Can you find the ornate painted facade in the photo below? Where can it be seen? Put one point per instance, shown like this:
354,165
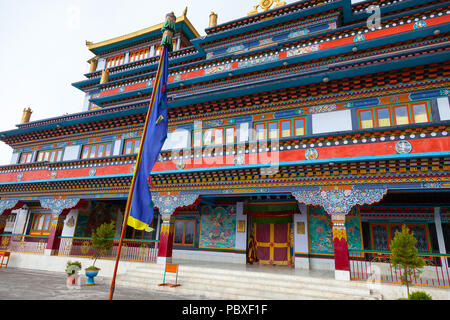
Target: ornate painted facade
310,124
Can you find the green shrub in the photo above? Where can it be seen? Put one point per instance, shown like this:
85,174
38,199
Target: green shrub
419,295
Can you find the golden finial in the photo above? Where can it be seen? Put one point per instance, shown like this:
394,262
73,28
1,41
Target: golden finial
265,5
212,19
26,115
185,12
88,43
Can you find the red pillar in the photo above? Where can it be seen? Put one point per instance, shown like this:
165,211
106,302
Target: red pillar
54,239
166,240
341,256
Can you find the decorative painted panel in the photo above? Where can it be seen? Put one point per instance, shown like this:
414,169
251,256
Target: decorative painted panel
92,215
218,227
320,231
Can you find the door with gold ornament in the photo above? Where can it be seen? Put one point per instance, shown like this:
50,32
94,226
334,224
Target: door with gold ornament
273,245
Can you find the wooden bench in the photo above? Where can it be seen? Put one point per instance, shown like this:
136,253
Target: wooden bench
3,255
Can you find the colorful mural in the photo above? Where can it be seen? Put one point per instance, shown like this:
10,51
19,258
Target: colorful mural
92,215
321,237
218,227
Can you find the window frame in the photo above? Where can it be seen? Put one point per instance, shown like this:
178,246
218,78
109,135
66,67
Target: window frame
115,61
290,128
185,221
264,130
394,107
377,119
226,135
49,152
371,110
96,145
28,157
133,145
277,130
34,227
427,111
294,128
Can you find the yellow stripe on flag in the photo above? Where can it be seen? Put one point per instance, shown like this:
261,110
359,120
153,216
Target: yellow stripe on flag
136,224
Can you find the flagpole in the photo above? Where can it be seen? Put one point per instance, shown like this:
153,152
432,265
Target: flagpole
136,168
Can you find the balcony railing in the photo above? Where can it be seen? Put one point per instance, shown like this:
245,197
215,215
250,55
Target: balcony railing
375,266
132,250
23,243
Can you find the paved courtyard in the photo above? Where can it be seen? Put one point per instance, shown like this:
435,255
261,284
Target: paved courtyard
26,284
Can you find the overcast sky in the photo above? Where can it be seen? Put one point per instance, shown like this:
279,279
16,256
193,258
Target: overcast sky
43,51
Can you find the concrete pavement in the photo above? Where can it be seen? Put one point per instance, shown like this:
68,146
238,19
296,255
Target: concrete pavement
27,284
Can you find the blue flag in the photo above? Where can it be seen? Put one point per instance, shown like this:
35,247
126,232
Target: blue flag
141,213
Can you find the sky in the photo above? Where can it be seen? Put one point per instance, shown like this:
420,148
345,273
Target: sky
43,51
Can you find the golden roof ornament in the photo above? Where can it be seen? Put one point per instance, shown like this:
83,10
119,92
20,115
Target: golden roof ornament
265,5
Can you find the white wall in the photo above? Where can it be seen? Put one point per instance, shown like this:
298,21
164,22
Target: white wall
117,147
69,231
301,240
21,220
15,157
334,121
444,108
71,153
241,237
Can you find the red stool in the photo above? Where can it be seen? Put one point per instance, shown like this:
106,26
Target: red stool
4,254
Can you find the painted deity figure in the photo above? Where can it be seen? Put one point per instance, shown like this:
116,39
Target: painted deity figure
251,256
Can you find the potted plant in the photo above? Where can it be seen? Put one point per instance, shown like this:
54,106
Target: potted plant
101,242
72,269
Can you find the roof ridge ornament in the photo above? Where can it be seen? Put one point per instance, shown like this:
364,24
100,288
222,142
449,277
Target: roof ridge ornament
265,5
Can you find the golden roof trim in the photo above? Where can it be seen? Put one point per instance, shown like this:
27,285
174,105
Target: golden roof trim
138,33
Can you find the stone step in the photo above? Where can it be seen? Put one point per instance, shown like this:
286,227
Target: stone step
237,283
251,279
272,290
233,292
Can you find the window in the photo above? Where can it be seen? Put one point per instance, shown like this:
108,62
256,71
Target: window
285,128
420,112
401,115
184,232
25,157
115,61
260,131
10,220
420,233
366,119
229,135
40,224
96,151
131,146
272,130
139,54
49,155
197,139
218,136
299,127
207,137
380,237
383,117
210,136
